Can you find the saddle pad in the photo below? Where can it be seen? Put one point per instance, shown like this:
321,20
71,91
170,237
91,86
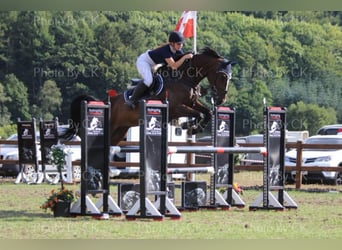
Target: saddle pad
154,90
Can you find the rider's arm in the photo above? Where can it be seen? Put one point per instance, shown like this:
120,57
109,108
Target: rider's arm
176,64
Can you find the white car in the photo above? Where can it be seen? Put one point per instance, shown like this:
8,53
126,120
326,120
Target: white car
10,152
318,157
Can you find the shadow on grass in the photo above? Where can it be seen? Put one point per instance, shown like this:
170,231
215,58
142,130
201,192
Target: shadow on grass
8,215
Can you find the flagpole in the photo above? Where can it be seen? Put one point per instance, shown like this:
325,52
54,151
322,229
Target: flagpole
187,25
195,33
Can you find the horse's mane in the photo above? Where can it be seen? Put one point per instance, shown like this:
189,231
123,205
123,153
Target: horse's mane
210,52
205,51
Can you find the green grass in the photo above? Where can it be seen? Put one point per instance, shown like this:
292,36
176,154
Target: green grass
319,216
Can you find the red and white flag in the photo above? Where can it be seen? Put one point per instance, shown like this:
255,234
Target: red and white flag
187,24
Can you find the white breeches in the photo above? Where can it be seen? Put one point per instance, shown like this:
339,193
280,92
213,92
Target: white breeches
144,65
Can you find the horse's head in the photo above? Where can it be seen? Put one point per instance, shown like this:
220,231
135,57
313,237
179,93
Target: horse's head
220,81
218,71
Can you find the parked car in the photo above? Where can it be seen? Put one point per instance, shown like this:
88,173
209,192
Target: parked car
6,151
258,159
318,157
333,129
253,158
10,152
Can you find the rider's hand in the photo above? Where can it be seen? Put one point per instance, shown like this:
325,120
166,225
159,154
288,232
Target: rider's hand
188,56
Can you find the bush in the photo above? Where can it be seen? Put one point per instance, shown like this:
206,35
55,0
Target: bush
7,130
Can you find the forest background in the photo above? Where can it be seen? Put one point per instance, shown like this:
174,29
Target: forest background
291,58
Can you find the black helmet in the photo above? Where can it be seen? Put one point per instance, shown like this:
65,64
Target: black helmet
176,37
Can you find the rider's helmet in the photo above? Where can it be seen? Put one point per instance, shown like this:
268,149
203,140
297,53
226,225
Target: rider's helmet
176,37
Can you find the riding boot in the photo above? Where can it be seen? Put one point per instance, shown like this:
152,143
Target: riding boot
137,93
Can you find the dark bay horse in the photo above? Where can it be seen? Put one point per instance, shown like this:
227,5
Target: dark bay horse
181,93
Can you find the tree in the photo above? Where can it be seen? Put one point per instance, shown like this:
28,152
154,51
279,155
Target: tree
6,19
296,54
50,100
4,114
311,117
249,106
31,46
7,130
18,104
75,56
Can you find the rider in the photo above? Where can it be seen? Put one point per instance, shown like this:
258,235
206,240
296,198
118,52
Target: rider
160,55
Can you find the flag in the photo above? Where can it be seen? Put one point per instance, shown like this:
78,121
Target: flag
187,24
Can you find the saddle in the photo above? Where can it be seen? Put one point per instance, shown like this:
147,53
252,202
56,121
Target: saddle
155,89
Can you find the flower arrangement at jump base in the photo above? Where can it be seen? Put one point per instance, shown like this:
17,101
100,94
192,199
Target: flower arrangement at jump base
63,197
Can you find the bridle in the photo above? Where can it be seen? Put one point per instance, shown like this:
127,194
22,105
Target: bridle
223,69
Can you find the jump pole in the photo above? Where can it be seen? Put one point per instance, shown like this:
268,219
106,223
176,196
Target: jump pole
195,149
215,150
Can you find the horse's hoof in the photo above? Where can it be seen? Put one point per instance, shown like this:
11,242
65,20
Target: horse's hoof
194,131
184,125
189,124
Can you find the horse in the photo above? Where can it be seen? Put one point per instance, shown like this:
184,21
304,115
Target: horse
181,93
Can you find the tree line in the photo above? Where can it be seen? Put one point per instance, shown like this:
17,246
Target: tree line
291,58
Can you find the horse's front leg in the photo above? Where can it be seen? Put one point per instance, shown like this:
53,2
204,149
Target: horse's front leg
204,118
200,114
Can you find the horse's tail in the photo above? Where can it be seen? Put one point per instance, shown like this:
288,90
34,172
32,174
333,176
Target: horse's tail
75,118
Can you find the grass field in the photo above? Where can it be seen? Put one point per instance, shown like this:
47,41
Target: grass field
319,216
